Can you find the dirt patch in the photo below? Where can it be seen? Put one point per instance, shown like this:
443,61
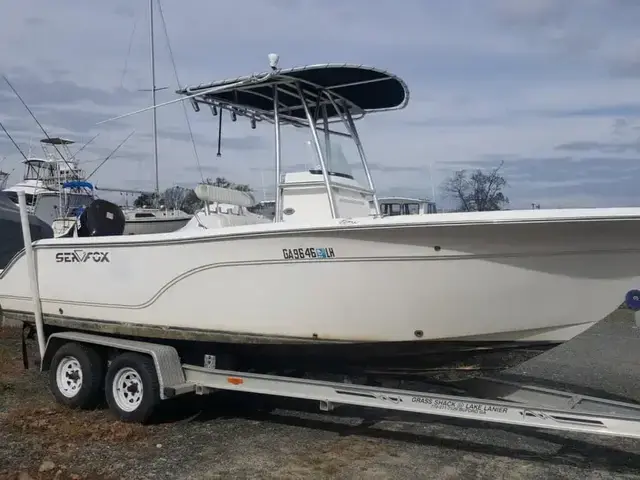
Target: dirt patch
10,353
331,459
11,368
16,383
57,435
43,440
62,425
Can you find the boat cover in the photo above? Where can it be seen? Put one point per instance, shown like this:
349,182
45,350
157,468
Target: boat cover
11,241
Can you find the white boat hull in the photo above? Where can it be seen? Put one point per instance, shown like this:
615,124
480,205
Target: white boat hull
389,280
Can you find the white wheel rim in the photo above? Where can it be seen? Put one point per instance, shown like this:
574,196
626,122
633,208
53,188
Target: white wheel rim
127,389
69,376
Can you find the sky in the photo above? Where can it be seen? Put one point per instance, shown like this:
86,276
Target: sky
551,88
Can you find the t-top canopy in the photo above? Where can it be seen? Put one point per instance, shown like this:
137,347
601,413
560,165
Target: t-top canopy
362,89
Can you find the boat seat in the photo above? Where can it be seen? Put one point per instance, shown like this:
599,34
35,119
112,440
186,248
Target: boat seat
214,194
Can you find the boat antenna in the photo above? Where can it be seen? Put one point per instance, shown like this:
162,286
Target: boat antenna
274,58
110,154
14,143
41,127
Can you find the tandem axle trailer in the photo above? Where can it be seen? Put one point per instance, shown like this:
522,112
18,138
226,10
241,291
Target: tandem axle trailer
136,376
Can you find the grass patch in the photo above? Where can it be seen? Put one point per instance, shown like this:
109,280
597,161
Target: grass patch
6,387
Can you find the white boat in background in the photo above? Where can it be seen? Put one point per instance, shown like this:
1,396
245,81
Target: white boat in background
138,220
4,178
392,206
44,177
54,186
327,285
142,221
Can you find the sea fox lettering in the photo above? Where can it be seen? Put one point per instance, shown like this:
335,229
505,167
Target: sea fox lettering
83,256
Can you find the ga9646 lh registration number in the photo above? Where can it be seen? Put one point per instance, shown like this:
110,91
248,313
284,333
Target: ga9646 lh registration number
307,253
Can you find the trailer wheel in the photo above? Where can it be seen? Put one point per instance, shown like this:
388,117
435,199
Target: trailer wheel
76,376
132,387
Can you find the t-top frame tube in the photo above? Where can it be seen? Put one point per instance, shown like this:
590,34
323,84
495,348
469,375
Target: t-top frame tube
316,141
350,125
276,124
327,134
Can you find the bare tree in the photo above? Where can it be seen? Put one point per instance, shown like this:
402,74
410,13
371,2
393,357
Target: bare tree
191,203
223,182
478,191
218,182
174,197
185,198
243,187
145,200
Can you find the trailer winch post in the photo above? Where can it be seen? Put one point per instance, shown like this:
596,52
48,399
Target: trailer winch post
31,267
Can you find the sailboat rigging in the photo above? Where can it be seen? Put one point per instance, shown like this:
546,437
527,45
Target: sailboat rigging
141,220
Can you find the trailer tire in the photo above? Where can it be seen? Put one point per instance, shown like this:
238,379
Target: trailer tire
76,376
132,387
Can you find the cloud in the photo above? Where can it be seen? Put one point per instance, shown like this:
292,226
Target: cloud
376,167
631,109
533,13
548,86
587,146
242,142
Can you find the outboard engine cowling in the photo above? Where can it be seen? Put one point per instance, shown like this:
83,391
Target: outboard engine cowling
100,219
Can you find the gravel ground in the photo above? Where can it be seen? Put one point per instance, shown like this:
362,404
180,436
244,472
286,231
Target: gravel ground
221,436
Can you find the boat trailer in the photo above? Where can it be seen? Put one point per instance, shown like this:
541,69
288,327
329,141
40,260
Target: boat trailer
141,374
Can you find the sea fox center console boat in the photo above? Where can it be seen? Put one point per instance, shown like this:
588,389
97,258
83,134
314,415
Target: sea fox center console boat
326,282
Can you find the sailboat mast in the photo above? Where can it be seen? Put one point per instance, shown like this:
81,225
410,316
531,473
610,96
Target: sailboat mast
153,99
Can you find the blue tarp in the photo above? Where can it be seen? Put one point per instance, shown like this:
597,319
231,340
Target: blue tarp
77,184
